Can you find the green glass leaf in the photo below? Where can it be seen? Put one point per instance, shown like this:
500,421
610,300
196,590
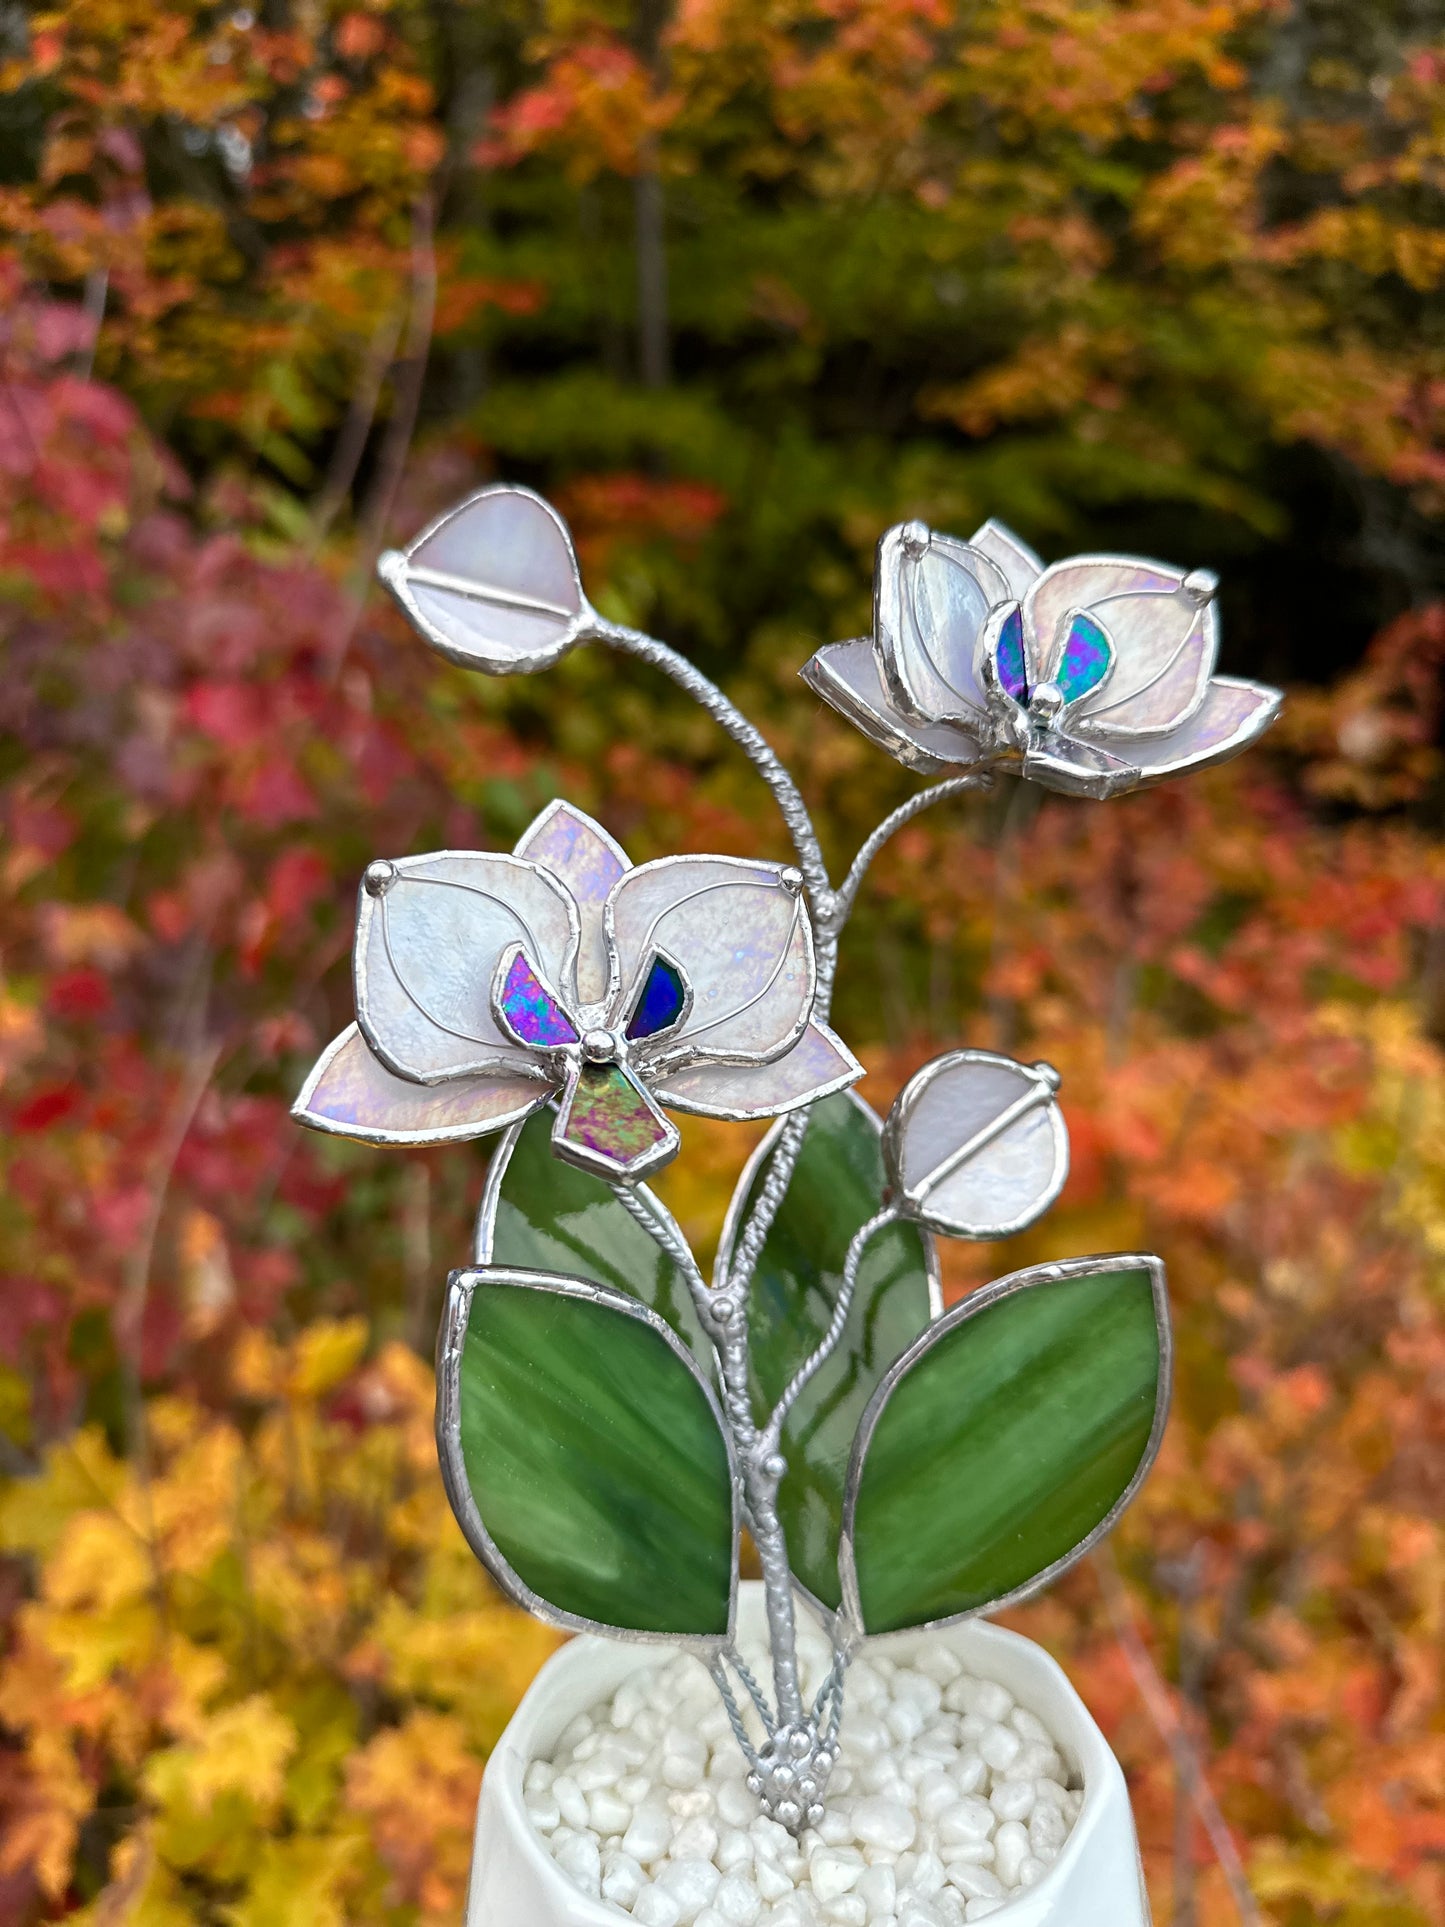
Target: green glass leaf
838,1185
1007,1441
584,1456
540,1214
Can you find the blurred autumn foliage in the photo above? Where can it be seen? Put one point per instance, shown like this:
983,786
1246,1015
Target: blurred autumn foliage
738,282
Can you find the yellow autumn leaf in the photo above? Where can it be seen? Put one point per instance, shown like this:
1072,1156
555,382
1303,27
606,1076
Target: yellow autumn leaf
79,1475
99,1563
242,1749
299,1882
325,1354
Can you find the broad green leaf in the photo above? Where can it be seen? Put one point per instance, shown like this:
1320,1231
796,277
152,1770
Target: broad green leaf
1010,1437
838,1185
543,1215
591,1453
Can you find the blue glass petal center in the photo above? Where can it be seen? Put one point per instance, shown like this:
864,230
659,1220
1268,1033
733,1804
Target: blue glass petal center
1009,656
1087,656
661,1001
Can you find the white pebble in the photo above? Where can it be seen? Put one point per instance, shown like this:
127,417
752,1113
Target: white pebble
848,1911
691,1883
974,1883
905,1720
1048,1829
770,1880
1010,1849
695,1839
933,1793
1000,1746
543,1810
968,1819
570,1800
650,1833
970,1771
581,1861
606,1814
886,1824
738,1901
654,1908
939,1664
994,1701
1012,1799
622,1880
928,1876
1031,1871
734,1850
833,1871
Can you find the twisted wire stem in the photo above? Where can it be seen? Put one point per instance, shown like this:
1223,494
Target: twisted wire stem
801,1739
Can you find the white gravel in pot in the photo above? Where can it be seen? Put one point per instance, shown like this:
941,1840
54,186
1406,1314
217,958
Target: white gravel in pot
948,1799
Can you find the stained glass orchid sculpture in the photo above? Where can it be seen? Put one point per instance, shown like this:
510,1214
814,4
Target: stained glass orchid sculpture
608,1417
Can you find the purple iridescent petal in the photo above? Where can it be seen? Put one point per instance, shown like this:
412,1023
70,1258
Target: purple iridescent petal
608,1124
528,1009
1012,674
1086,659
351,1093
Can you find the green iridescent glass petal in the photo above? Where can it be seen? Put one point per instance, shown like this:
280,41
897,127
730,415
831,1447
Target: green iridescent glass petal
596,1460
838,1186
1009,1440
549,1216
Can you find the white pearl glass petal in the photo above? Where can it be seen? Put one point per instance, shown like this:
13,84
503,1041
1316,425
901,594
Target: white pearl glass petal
930,603
493,583
580,852
427,948
1165,647
1092,582
351,1093
976,1145
846,674
817,1064
742,938
1234,712
1015,560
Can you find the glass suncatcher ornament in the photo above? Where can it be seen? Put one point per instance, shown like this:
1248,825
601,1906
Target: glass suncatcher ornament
608,1418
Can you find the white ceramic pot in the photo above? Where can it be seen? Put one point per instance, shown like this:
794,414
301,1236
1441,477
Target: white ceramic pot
1095,1882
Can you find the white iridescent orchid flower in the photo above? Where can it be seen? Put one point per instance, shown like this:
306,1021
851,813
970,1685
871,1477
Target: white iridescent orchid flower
1093,676
487,985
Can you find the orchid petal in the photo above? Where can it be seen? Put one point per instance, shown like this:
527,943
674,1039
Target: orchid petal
819,1063
846,675
351,1093
584,857
429,934
1014,559
608,1123
932,596
1233,714
739,931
